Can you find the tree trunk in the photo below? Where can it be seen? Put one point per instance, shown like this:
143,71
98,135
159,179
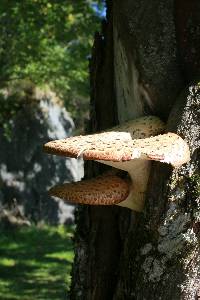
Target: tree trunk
145,61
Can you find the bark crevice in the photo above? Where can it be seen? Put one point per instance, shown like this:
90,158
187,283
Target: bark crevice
140,66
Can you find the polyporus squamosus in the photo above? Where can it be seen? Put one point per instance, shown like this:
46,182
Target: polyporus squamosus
129,147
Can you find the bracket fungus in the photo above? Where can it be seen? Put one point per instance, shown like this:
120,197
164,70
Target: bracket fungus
129,147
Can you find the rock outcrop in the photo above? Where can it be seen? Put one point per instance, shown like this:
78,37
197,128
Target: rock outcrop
26,173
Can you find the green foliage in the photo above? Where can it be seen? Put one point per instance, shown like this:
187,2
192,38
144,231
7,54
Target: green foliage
35,263
11,101
48,42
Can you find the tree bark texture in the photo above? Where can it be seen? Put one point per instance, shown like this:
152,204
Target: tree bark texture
145,61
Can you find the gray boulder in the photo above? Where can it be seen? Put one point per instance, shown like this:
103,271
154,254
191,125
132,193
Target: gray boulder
26,173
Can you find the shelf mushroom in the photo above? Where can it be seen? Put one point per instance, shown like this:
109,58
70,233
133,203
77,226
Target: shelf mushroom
129,147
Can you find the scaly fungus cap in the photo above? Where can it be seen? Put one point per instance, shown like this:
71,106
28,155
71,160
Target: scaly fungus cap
129,147
102,190
110,145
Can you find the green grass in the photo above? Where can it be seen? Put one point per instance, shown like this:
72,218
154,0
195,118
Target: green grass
35,263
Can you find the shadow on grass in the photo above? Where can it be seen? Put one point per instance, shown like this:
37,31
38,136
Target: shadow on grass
35,263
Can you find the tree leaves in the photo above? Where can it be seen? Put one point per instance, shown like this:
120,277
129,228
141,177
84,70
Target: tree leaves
48,41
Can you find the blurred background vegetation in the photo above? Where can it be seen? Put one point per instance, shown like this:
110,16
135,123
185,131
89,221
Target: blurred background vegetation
49,42
35,263
45,43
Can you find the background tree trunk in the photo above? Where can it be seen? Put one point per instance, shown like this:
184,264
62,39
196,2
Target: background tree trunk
145,61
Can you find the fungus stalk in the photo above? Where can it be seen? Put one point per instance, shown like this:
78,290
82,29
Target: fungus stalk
138,171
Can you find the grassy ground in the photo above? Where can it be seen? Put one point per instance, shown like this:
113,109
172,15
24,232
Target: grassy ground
35,263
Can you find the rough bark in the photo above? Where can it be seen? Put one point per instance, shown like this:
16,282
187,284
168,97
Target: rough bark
162,253
153,255
97,246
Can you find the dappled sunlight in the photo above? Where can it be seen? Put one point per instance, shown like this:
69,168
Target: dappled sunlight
35,261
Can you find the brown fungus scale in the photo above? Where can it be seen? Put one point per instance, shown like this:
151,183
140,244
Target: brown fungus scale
101,190
129,147
109,145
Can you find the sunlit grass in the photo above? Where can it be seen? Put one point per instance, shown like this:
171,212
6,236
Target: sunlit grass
35,263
